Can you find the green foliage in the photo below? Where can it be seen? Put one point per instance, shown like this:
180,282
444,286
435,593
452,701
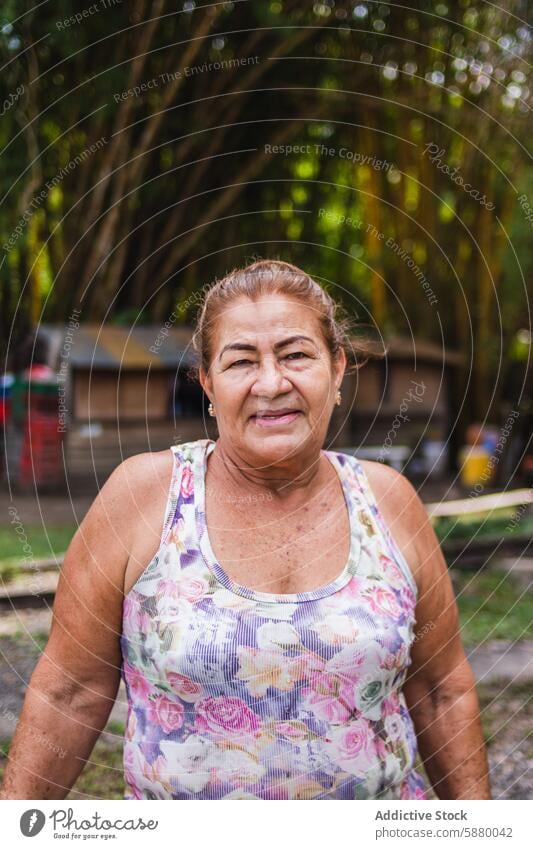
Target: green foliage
190,176
492,607
495,526
44,542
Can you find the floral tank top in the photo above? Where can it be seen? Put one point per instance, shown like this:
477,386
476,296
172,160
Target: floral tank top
235,693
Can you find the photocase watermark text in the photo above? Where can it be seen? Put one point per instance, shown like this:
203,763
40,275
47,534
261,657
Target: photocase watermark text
435,156
400,417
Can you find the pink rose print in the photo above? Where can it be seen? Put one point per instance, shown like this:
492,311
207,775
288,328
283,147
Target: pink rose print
406,793
352,747
330,699
168,588
332,696
193,589
133,617
292,729
407,597
165,713
383,601
352,590
226,716
184,687
390,705
391,570
138,686
187,482
354,740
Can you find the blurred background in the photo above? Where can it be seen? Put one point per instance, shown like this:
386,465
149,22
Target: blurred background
147,148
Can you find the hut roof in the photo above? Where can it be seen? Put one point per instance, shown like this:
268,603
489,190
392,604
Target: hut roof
96,346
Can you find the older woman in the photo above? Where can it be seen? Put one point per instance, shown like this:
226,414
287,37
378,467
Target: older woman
259,594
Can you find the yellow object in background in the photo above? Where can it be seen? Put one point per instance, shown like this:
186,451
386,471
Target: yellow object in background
475,467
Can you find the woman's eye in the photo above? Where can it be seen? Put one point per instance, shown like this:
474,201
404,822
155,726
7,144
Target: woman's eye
239,362
296,354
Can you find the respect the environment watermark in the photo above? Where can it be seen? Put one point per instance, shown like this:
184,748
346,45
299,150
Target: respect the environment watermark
526,208
339,219
189,71
39,199
88,12
406,258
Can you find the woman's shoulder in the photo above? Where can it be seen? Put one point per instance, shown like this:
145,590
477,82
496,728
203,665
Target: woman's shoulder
144,475
149,474
385,479
401,508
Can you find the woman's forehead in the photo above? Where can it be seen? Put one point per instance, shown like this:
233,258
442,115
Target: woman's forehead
266,316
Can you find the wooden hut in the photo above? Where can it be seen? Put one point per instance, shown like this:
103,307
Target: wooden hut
123,391
397,407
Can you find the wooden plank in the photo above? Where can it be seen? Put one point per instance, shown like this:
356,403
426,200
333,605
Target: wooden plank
481,504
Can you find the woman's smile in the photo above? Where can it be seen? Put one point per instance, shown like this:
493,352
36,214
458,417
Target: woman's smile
275,419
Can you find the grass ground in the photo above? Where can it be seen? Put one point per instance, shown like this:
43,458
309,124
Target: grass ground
497,525
101,778
24,542
492,606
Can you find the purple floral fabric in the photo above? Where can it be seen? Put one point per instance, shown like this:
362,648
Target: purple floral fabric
239,694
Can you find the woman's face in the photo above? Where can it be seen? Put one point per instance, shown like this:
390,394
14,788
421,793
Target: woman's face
272,380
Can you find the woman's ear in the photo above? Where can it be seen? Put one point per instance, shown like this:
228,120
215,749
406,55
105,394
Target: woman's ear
340,365
205,382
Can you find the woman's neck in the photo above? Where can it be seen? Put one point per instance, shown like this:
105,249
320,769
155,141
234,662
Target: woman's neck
288,480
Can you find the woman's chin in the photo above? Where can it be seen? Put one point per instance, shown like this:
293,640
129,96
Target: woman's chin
272,444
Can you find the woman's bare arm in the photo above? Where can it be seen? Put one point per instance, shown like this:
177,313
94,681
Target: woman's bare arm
74,684
440,689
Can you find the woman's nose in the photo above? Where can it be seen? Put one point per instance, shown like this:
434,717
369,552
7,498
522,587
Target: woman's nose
270,380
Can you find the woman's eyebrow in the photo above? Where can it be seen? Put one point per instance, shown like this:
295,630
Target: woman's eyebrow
245,346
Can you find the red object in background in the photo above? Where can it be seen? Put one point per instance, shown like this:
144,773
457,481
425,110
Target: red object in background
40,458
6,383
39,371
36,450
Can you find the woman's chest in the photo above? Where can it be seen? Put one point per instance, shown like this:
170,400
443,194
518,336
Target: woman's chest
221,644
293,552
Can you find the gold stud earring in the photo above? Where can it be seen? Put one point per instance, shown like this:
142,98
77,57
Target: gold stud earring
338,397
211,410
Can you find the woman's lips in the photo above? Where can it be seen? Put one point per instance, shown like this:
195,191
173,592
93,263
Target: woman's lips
273,421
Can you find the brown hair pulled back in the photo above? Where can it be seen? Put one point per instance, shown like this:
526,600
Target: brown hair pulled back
266,277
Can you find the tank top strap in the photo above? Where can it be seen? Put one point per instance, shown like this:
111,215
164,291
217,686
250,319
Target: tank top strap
173,492
390,545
